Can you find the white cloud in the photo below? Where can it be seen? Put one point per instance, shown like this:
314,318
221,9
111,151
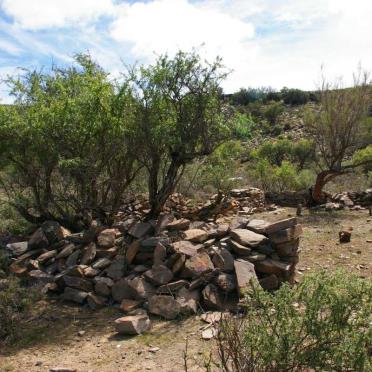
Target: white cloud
9,47
40,14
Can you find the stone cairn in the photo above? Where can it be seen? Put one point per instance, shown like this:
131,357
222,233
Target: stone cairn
166,267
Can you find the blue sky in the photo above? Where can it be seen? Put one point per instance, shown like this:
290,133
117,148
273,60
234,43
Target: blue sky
264,42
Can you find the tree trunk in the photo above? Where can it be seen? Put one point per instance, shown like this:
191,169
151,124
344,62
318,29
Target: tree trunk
321,180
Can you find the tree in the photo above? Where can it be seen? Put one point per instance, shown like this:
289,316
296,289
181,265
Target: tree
66,148
337,129
179,117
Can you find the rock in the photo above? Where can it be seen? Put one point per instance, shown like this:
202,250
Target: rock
281,225
213,317
287,235
95,302
54,232
239,249
257,226
181,224
142,289
102,286
66,250
212,297
140,229
187,248
344,236
248,238
164,306
198,265
74,295
89,254
89,272
188,301
17,249
122,290
160,254
270,266
245,275
222,230
129,305
73,258
106,238
106,252
173,287
77,283
40,276
117,269
227,282
270,282
47,256
195,235
209,333
131,252
62,369
223,259
38,240
238,223
288,248
179,263
256,256
101,263
159,275
153,241
132,324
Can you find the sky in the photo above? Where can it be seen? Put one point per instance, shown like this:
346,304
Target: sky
263,42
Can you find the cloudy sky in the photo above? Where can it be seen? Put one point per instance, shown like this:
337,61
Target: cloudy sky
265,42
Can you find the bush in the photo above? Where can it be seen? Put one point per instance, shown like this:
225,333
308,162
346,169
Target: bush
276,151
272,112
303,152
323,324
294,96
15,303
244,127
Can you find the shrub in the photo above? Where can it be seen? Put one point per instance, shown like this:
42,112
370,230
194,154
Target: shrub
245,96
276,151
272,112
294,96
244,127
15,303
323,324
303,152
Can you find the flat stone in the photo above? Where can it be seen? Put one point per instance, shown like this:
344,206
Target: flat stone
238,248
66,250
239,223
38,239
142,289
17,249
281,225
212,298
187,248
122,290
198,265
106,238
73,258
172,287
103,285
140,229
209,333
248,238
153,241
129,305
245,275
117,269
164,306
40,276
223,259
195,235
101,263
132,251
255,256
181,224
179,264
270,266
47,256
159,275
89,254
132,324
258,226
74,295
78,283
62,369
286,235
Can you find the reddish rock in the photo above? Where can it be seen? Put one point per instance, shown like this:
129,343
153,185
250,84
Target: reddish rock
140,229
181,224
54,232
258,226
142,289
132,324
129,305
159,275
66,250
195,235
160,254
198,265
131,252
47,256
89,254
248,238
187,248
270,266
122,290
106,238
245,275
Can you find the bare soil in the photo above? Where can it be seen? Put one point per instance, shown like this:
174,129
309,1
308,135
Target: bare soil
52,337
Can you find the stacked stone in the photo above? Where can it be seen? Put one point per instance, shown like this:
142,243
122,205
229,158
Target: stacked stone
250,200
168,267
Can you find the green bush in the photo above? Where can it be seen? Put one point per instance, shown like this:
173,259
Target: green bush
276,151
322,324
294,96
244,127
15,303
272,112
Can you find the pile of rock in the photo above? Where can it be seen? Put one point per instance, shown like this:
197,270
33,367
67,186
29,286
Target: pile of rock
168,267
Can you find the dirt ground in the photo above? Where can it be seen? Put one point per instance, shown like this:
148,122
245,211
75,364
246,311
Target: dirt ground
62,335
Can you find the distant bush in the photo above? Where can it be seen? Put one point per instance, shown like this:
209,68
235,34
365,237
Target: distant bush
322,324
244,127
275,151
15,303
245,96
294,96
272,112
303,152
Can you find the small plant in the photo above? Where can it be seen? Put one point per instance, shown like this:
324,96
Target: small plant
323,324
15,303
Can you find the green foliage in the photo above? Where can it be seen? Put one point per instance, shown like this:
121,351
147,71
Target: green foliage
294,96
272,112
244,127
322,324
275,151
245,96
15,303
364,157
303,152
